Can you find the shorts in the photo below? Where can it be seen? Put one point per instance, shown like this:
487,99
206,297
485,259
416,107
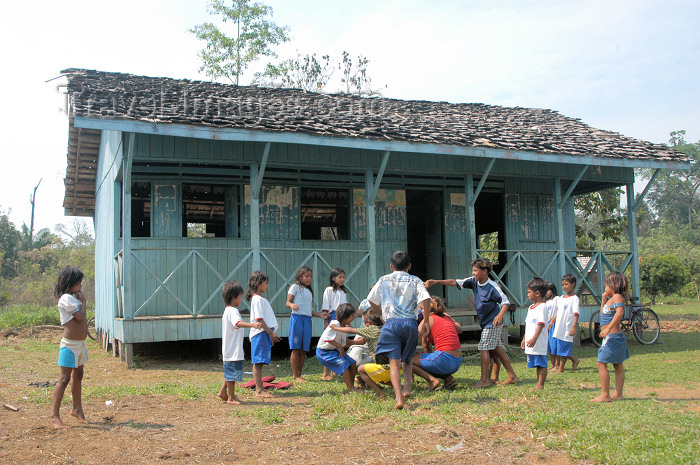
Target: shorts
551,341
331,316
72,354
613,349
378,373
563,348
534,361
233,370
332,360
491,337
440,363
360,354
299,332
260,348
398,339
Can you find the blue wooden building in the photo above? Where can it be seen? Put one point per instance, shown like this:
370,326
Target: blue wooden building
191,184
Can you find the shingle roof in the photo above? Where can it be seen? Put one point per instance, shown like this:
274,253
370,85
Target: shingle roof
164,100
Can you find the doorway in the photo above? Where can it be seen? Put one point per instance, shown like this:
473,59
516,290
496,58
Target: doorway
424,228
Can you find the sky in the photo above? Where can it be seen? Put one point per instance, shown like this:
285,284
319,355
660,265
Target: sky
628,66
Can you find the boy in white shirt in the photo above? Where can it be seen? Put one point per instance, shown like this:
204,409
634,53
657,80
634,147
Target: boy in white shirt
535,340
232,334
566,324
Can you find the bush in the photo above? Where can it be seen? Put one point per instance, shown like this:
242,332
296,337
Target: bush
28,315
662,275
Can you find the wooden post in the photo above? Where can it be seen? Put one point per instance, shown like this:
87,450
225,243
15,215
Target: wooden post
254,218
559,218
632,228
126,231
470,230
371,227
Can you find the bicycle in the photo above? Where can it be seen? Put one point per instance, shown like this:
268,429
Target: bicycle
91,328
639,318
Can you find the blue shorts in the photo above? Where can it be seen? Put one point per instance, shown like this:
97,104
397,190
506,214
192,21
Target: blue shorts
534,361
299,332
233,370
260,348
614,349
552,341
440,363
332,360
72,353
563,348
398,339
331,316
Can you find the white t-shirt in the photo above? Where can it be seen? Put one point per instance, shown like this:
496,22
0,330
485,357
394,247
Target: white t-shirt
332,335
333,299
260,308
399,294
302,297
68,304
567,307
535,316
551,309
231,336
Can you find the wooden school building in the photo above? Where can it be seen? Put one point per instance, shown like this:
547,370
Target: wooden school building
191,184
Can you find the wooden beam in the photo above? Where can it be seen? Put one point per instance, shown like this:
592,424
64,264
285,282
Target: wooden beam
632,230
256,184
375,184
482,181
126,224
565,197
635,204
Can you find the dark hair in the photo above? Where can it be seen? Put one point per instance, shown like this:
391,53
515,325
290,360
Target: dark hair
375,317
538,285
552,287
69,277
231,291
334,273
256,279
569,278
400,260
437,306
483,263
344,311
618,283
301,271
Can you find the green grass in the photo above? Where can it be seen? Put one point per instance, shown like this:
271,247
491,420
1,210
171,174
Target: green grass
27,315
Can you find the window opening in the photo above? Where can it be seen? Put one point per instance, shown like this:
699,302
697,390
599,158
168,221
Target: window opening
325,214
203,208
140,209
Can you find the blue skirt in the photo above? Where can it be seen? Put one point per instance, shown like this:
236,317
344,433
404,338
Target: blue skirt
332,360
613,349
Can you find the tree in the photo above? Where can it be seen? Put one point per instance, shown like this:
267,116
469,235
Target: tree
661,275
29,241
305,72
9,246
675,195
226,56
78,234
598,217
355,78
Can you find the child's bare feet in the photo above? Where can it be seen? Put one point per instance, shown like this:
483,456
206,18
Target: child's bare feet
617,396
511,380
263,394
223,396
57,423
234,401
78,413
300,380
494,381
602,398
433,385
398,406
574,364
406,394
482,384
326,377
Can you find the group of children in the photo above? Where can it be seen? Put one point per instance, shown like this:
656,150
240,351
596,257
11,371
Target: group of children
397,315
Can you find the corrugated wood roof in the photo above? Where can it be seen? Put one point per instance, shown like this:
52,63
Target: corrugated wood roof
106,95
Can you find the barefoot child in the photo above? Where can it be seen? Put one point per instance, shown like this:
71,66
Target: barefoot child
261,340
398,296
369,373
232,341
330,350
333,296
299,300
614,347
491,304
72,354
566,324
551,314
535,340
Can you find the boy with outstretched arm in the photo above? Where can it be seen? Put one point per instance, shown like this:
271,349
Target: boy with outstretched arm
491,304
398,295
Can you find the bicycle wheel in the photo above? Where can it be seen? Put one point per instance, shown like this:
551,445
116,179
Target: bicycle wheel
594,327
646,326
91,328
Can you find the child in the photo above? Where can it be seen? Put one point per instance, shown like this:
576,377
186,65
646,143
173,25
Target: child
369,372
566,324
261,340
614,347
535,340
360,351
398,295
551,299
299,298
491,304
446,359
331,347
72,352
232,341
333,296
